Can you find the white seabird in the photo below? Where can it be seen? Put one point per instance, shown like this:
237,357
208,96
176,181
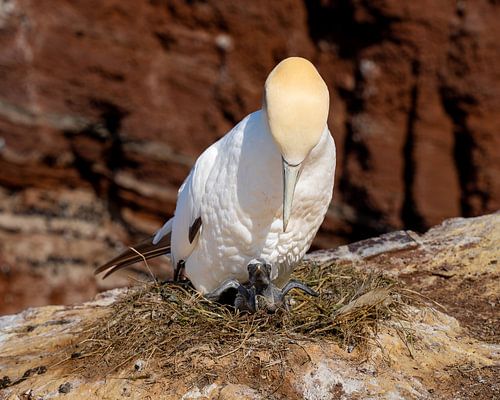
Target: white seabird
261,191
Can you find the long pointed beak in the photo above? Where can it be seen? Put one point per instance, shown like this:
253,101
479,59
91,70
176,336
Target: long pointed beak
291,175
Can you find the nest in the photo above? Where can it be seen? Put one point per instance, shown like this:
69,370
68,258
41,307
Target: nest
186,335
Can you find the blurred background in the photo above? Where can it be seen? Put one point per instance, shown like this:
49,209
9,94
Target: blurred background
105,105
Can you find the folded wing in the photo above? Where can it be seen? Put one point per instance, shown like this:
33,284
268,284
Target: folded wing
139,252
186,223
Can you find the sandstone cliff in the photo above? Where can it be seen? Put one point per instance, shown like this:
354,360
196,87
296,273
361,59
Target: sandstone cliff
119,97
453,352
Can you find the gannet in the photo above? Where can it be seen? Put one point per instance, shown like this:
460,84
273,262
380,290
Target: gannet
260,192
259,285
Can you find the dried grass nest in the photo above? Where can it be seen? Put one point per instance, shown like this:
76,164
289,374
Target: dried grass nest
181,331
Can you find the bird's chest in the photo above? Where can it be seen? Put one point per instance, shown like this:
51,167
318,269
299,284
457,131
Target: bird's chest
247,211
247,200
243,205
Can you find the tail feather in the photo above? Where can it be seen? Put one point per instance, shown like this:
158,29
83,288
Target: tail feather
143,250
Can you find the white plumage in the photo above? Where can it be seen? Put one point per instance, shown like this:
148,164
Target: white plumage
237,186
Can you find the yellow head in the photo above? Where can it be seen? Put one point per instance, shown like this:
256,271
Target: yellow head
296,101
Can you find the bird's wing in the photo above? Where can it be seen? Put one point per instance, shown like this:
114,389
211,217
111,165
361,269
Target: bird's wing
166,229
139,252
187,221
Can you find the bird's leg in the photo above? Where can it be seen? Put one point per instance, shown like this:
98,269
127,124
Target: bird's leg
179,268
186,283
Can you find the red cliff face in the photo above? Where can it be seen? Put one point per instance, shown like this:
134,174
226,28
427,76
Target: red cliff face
118,97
